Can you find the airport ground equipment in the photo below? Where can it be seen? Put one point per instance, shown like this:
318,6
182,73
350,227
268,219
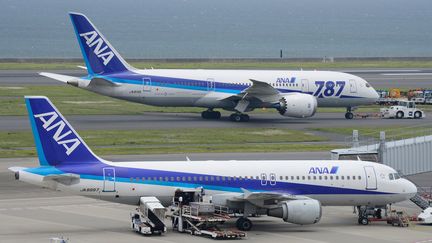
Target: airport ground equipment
404,109
202,217
425,216
149,217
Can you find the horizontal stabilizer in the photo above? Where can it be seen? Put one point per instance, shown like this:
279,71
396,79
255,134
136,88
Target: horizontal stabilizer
59,77
16,168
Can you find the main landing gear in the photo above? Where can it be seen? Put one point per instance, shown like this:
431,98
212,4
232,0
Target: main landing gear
238,117
244,224
210,114
349,115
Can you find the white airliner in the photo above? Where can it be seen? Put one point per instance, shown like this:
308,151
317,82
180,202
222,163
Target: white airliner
291,93
291,190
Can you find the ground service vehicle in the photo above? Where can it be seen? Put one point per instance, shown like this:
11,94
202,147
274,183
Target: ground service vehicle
404,109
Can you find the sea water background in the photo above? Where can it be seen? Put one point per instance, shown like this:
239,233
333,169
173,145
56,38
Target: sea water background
222,28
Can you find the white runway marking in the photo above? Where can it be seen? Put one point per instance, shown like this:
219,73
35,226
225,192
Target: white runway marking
406,74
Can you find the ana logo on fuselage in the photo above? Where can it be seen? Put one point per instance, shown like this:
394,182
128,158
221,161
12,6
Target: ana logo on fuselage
101,48
286,80
323,170
59,136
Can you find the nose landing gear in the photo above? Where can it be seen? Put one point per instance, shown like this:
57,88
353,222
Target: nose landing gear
349,115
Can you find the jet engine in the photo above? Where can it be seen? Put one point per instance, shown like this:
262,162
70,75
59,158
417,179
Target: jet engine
297,105
304,211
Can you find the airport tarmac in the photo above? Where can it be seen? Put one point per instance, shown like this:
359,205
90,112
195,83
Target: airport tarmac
378,78
158,120
32,214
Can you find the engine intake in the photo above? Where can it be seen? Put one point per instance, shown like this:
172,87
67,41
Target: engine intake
307,211
297,105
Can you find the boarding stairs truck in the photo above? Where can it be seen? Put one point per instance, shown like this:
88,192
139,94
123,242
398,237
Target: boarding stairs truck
425,216
149,217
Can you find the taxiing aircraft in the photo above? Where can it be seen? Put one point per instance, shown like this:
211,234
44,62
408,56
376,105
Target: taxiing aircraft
291,93
291,190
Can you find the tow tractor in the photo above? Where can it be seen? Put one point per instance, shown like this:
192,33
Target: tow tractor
404,109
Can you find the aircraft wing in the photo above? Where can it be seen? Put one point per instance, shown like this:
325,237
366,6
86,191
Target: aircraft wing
259,91
264,199
260,88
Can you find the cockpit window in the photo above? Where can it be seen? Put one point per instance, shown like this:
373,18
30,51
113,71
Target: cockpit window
394,176
368,85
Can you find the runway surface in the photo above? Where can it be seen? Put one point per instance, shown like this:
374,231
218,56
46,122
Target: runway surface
151,120
32,214
378,78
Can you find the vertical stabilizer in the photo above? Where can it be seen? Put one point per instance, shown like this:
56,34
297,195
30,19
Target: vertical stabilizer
56,141
100,57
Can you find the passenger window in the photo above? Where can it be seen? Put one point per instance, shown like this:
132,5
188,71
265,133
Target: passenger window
298,177
331,177
178,178
325,177
342,178
309,177
212,178
189,178
160,178
217,178
359,177
172,178
286,177
303,178
195,178
348,177
281,178
200,178
314,177
337,177
292,178
320,177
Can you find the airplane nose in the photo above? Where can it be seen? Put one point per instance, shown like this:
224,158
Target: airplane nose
375,95
410,189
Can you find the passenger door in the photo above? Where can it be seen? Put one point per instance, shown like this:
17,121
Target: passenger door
371,180
353,86
146,85
109,179
305,86
210,85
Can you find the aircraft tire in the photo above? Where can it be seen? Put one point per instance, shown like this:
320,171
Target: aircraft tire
349,115
363,221
244,224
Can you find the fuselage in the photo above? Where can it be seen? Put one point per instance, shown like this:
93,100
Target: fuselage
348,183
209,88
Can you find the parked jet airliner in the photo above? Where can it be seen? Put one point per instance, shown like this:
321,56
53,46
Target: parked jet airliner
291,190
291,93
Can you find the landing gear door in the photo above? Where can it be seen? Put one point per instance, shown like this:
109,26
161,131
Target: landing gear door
371,179
353,86
146,85
109,179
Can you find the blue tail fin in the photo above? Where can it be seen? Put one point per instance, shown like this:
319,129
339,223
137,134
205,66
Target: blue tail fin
56,141
100,57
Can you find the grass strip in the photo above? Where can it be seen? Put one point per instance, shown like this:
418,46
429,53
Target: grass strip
20,143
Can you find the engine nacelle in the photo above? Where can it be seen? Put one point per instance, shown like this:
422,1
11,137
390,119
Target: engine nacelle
297,105
307,211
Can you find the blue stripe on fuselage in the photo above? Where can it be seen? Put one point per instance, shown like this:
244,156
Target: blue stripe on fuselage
129,77
191,180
